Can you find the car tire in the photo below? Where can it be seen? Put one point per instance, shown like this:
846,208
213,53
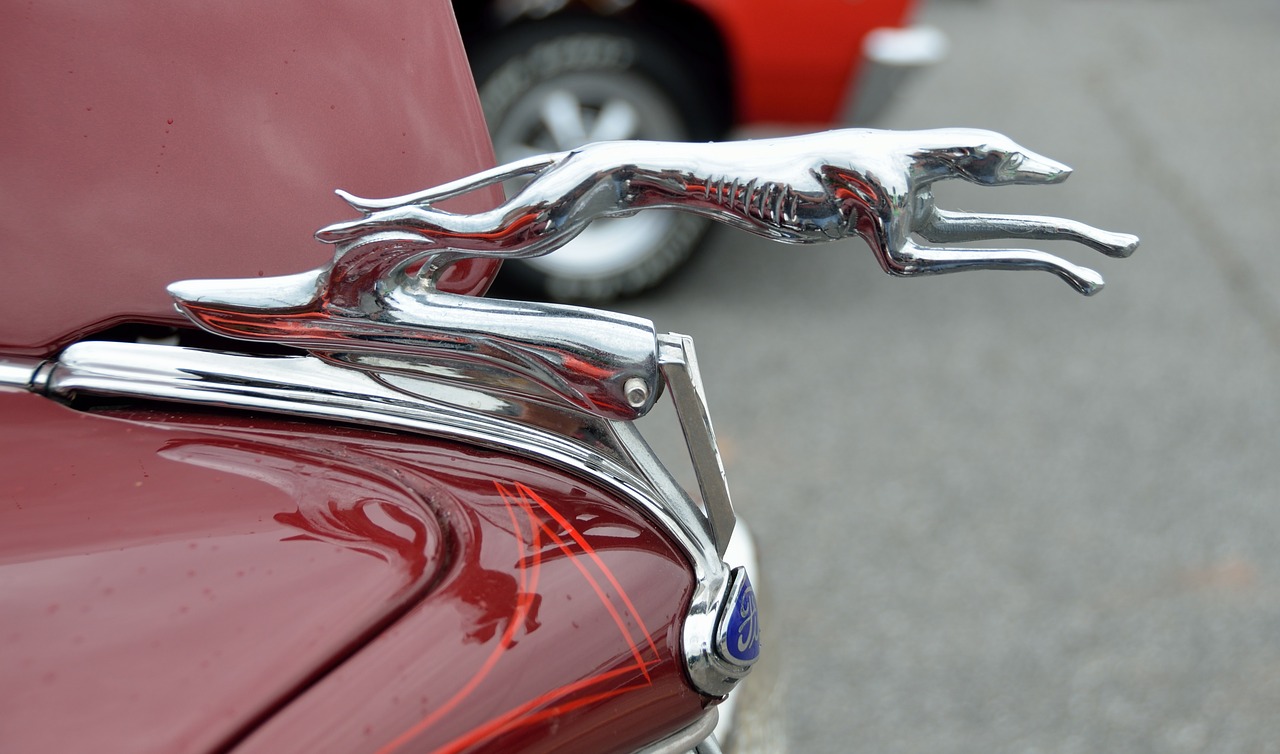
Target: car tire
554,85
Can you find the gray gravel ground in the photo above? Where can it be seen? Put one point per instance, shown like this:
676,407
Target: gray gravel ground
997,516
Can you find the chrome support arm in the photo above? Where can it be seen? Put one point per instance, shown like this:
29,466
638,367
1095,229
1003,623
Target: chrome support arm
680,367
19,373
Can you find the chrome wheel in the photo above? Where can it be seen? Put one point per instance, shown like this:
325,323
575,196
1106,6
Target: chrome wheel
569,89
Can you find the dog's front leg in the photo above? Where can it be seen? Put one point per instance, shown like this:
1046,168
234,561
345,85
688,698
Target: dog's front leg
942,226
911,259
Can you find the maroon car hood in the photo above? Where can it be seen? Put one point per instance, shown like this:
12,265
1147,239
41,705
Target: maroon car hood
165,588
174,582
144,144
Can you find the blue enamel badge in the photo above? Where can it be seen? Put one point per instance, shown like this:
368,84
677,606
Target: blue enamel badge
739,640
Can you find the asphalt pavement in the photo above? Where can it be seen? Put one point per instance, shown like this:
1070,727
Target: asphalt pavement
994,515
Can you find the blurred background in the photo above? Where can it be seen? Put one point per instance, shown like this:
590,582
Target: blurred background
995,515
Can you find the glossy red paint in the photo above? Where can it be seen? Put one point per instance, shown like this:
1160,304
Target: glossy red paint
161,589
563,635
144,144
172,581
795,62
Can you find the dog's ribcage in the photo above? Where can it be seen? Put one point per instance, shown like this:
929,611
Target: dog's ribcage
771,203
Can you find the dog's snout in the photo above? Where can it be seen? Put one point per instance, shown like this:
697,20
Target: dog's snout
1041,169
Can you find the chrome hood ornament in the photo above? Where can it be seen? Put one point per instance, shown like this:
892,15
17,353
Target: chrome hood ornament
375,306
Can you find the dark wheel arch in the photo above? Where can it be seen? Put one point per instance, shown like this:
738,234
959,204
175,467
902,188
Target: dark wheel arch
599,67
685,29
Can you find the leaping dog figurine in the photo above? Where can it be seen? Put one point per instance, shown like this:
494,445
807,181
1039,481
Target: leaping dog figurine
376,307
800,190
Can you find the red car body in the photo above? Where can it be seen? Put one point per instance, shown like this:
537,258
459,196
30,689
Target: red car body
555,74
144,146
783,70
176,582
175,579
753,62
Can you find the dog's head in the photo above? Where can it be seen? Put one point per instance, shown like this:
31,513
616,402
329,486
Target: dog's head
992,159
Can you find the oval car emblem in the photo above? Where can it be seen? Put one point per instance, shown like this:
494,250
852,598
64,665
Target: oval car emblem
738,635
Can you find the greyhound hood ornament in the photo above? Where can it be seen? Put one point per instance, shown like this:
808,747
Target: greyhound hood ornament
799,190
375,306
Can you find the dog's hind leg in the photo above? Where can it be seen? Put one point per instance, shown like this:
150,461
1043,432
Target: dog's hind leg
942,226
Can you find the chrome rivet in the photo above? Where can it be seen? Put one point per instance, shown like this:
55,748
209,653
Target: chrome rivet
636,391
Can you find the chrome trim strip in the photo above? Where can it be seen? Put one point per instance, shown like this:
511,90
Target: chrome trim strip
680,367
687,739
913,46
17,372
890,57
308,387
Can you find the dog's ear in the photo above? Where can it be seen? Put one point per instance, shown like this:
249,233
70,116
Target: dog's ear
957,156
969,161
